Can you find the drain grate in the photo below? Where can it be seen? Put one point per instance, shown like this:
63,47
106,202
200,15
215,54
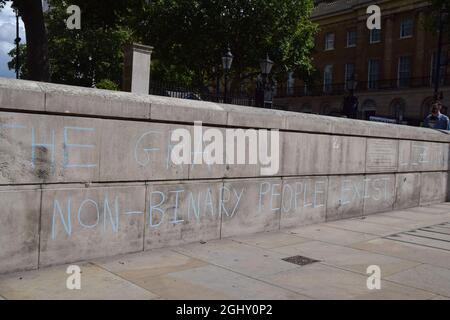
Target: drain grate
300,260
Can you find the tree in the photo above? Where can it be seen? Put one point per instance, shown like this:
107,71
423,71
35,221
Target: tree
94,53
190,36
37,46
23,69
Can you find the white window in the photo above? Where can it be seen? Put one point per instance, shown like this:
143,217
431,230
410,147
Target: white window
328,78
375,35
351,38
406,28
373,74
349,75
404,71
329,41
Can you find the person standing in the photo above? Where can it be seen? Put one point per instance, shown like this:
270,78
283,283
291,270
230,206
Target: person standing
436,120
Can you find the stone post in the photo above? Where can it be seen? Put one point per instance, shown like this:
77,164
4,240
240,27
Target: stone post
136,68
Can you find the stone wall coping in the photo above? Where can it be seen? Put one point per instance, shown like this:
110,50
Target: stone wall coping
48,98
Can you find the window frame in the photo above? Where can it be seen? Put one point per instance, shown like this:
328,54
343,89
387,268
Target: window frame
355,38
327,41
371,41
402,29
400,72
346,75
328,87
370,78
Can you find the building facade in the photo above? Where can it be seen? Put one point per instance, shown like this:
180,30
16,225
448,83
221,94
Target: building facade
391,71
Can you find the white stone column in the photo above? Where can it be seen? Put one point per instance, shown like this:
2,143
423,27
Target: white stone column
136,74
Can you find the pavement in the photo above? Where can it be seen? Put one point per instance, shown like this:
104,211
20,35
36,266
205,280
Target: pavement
411,248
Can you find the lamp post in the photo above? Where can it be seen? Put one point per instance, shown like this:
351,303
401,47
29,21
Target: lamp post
351,101
227,60
266,66
17,41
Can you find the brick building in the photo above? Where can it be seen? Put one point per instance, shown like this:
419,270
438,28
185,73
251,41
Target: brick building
392,69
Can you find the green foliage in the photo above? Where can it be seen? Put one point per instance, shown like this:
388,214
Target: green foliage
107,85
78,57
190,36
23,70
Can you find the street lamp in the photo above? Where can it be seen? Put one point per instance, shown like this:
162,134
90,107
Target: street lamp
350,108
266,66
17,41
227,60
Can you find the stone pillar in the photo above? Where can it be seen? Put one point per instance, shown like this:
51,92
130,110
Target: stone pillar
136,68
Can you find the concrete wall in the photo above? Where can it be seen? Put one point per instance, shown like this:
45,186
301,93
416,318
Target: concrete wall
85,173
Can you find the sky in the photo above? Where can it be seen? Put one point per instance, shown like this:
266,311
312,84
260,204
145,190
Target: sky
7,36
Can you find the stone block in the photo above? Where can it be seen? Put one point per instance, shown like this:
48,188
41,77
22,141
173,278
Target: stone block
82,223
19,228
347,155
250,206
21,95
305,154
249,117
407,190
139,152
186,111
381,155
42,149
304,201
345,197
88,101
182,212
297,121
422,156
433,187
349,127
379,193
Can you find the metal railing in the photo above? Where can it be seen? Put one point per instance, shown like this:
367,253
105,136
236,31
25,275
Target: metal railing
177,90
365,86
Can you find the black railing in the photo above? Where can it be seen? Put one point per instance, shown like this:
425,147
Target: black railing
176,90
342,88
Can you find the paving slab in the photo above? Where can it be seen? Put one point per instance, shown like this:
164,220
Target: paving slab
330,235
141,266
324,282
430,210
438,244
270,240
429,235
408,251
347,258
398,222
425,277
238,257
436,229
418,216
362,225
230,284
50,284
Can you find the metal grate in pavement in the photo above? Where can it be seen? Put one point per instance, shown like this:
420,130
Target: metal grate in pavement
300,260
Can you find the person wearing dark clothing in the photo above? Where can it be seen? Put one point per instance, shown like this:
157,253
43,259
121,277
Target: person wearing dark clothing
436,120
